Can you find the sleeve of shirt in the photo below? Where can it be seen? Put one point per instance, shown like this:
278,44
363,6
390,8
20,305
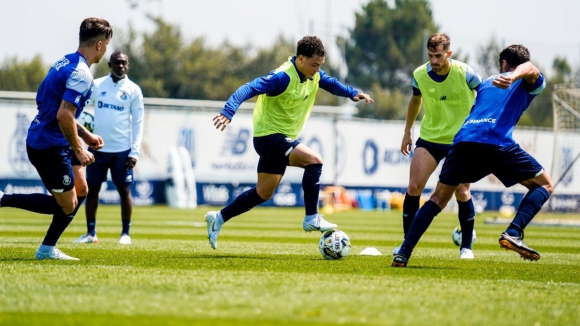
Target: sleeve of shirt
272,84
334,87
415,87
78,84
472,78
137,111
537,87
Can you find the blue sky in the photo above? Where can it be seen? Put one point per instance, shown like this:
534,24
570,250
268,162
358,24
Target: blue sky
547,28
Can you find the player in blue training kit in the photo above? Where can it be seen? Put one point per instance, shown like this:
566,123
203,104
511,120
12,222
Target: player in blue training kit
54,138
484,145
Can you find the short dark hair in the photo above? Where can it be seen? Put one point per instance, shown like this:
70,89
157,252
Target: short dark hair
438,39
117,54
92,28
310,46
514,55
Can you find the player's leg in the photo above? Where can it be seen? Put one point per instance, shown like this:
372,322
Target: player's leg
466,215
426,157
96,173
37,203
123,179
65,193
516,164
304,157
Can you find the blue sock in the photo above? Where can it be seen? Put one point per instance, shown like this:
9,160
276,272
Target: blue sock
410,207
311,187
60,222
529,207
37,203
243,203
126,226
467,222
91,226
421,222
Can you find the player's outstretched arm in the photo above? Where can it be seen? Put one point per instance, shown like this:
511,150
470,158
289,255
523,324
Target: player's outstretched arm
526,70
68,126
220,121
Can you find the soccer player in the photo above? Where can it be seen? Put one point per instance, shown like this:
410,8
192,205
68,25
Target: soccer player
286,97
484,145
119,120
447,89
54,138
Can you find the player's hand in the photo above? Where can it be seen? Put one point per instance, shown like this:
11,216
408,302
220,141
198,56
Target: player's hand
363,96
406,144
94,141
503,81
130,163
85,157
221,121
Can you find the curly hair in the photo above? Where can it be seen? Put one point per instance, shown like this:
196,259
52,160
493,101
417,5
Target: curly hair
514,55
438,39
310,46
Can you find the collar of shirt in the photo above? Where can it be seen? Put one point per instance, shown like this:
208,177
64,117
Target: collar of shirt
301,75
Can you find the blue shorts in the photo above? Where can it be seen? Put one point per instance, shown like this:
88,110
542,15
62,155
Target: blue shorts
97,172
438,151
468,162
274,151
54,166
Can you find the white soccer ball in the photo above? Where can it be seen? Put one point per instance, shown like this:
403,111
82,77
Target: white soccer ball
87,120
334,244
456,235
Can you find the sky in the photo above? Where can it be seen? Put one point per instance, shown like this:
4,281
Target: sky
549,28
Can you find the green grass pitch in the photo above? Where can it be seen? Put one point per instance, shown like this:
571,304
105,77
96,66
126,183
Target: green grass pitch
267,271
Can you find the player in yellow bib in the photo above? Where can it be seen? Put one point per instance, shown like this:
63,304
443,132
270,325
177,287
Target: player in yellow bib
447,90
285,98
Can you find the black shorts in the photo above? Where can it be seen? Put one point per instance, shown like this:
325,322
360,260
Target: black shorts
274,151
469,162
97,172
54,165
438,151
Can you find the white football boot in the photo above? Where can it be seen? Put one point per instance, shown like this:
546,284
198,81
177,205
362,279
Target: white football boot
318,224
55,254
213,228
125,239
396,250
465,253
87,238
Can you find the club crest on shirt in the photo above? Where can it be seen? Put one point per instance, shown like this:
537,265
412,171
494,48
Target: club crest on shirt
124,96
66,180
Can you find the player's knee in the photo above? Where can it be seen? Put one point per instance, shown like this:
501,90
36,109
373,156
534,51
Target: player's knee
69,208
265,194
414,188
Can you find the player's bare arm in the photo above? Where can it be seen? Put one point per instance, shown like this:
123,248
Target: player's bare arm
220,121
412,113
526,70
68,126
95,141
363,96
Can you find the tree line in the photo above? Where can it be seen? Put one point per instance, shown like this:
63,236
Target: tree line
381,51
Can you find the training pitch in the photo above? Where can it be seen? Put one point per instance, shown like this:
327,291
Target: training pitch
267,271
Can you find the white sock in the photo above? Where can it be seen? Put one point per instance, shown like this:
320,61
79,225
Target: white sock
220,218
45,249
310,218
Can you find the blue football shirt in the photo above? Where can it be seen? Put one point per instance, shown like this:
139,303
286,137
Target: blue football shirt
496,111
69,79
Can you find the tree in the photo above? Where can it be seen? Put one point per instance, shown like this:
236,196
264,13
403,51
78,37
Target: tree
23,76
386,44
488,56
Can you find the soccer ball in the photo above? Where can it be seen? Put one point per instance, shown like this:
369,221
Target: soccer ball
87,120
334,244
456,235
